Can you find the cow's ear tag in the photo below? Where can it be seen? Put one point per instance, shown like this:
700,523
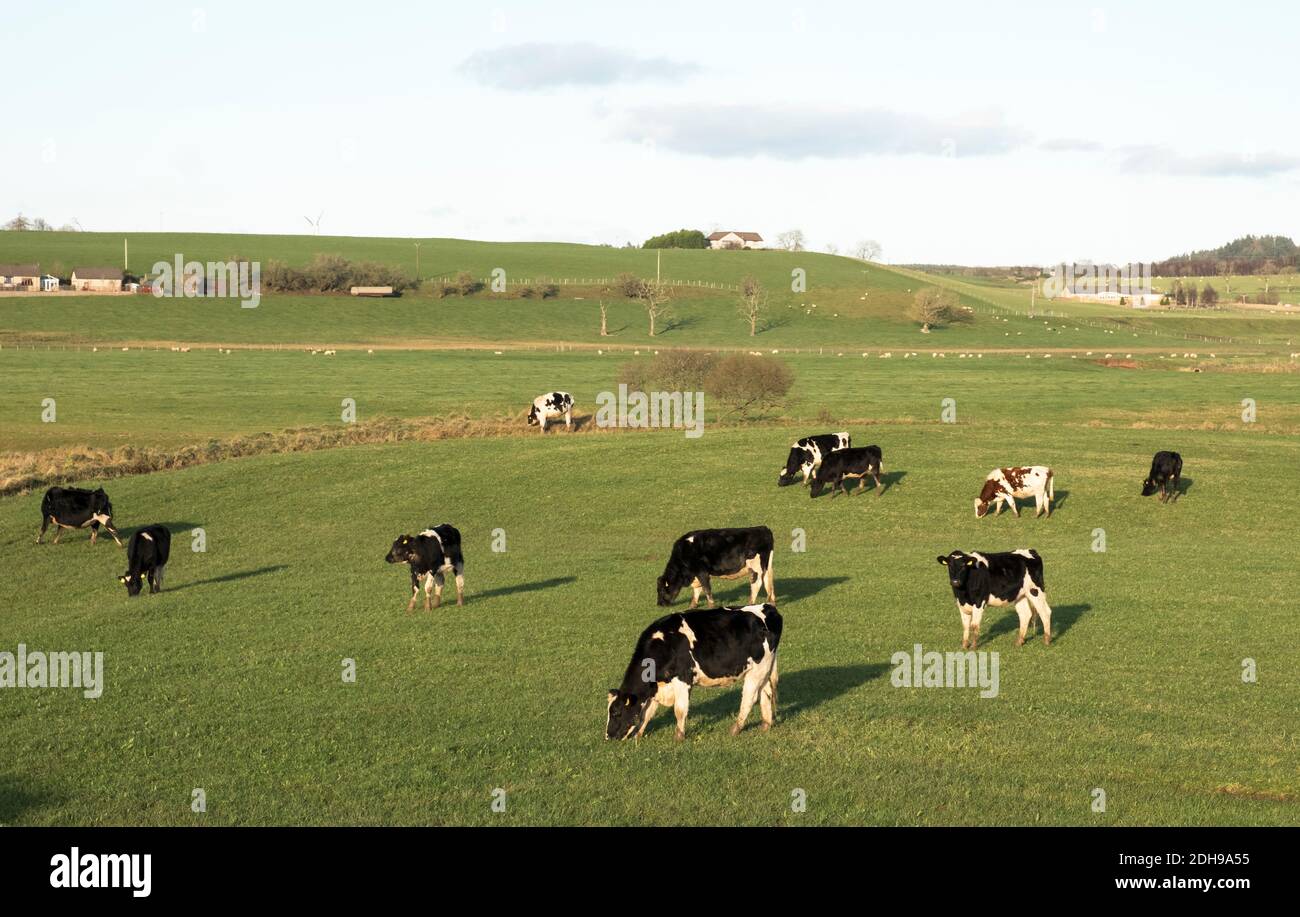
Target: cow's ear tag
969,562
628,702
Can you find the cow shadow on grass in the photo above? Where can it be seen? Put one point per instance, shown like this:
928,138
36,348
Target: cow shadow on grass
16,800
797,693
524,587
228,577
1063,618
890,478
788,589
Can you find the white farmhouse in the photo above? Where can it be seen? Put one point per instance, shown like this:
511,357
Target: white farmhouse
733,239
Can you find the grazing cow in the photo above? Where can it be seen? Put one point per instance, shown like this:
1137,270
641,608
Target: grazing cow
807,453
708,648
146,557
859,463
73,508
1008,578
555,404
1166,469
430,554
1004,485
727,553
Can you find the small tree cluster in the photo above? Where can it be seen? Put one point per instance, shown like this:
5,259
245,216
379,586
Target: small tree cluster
742,383
332,274
682,238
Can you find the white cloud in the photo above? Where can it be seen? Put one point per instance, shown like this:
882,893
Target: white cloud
548,65
792,132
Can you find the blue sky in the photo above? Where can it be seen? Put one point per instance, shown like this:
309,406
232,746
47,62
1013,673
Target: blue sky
950,132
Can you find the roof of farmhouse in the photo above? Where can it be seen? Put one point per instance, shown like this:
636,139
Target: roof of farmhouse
747,236
97,273
19,270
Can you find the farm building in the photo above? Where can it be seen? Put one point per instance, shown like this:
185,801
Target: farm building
97,279
20,276
49,283
733,239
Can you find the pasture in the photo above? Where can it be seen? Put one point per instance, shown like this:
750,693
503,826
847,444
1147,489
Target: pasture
231,679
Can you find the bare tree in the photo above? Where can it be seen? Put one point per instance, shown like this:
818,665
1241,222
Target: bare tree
933,306
19,223
1267,268
654,296
867,250
604,316
1225,271
791,240
832,248
753,302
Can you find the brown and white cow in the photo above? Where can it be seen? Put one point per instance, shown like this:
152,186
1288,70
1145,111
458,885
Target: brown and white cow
1005,485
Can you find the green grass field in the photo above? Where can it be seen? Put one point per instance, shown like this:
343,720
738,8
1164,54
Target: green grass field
231,679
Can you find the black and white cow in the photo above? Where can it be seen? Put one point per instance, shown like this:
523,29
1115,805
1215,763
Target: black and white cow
807,453
859,463
1166,471
147,552
727,553
553,404
708,648
1007,578
74,508
430,554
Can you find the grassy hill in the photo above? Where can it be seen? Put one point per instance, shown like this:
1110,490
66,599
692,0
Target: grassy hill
845,304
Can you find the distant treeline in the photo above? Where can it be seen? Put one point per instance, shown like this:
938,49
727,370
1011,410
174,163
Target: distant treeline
1015,271
1247,255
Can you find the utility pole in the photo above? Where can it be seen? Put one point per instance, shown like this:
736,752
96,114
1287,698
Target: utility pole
417,262
658,252
126,261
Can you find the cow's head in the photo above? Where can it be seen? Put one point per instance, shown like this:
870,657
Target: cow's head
626,713
133,582
402,551
532,415
667,589
1149,486
986,499
961,567
799,461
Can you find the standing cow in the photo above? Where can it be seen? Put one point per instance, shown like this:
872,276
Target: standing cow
1007,578
430,554
74,508
1005,485
843,464
146,555
807,453
707,648
1166,471
554,404
727,553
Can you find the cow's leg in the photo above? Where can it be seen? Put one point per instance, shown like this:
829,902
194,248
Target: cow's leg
415,592
651,709
696,588
568,419
438,581
754,680
45,524
1038,505
1024,612
769,578
1011,502
965,627
112,531
707,585
428,588
976,616
681,707
767,698
875,475
459,570
1176,486
1044,615
159,573
94,532
755,581
58,531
